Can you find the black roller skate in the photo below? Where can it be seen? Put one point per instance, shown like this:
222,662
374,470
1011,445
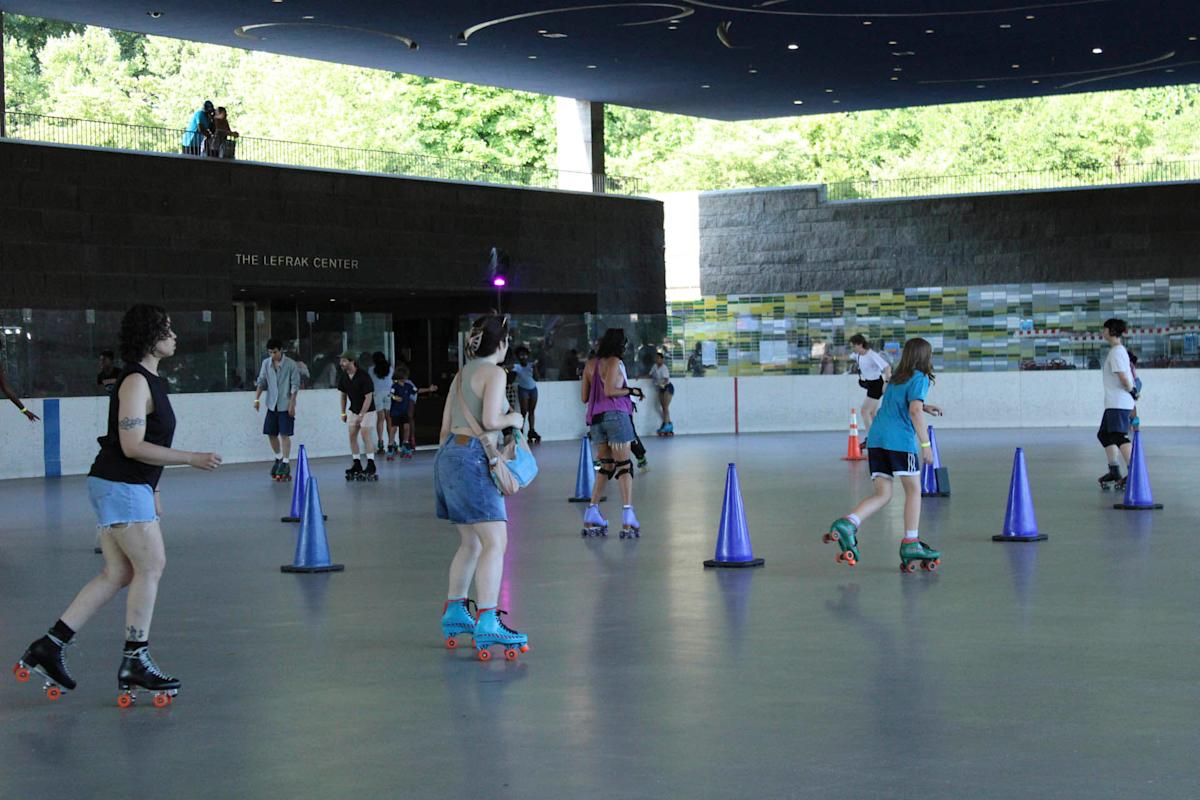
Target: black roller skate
138,671
369,473
533,436
284,473
1111,478
45,657
355,472
275,469
391,452
379,448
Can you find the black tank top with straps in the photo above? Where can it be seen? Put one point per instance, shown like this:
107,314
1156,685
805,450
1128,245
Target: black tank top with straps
113,465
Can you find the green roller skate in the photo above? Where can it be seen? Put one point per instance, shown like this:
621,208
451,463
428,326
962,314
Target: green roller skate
845,533
912,552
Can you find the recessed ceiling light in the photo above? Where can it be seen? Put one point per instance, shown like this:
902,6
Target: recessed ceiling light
797,102
866,22
1170,70
672,27
1192,38
929,30
462,44
980,86
533,58
895,77
1005,25
591,66
554,35
829,91
752,71
1035,81
1030,16
897,69
893,42
308,16
793,47
1016,66
835,102
1097,51
154,14
542,32
706,86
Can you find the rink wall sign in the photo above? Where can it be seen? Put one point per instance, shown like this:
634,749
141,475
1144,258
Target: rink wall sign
315,262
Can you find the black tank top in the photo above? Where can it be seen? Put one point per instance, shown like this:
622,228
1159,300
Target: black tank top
113,465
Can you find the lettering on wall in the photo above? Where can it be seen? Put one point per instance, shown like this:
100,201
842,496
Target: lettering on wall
294,261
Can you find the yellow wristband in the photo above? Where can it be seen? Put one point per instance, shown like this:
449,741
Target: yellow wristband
926,444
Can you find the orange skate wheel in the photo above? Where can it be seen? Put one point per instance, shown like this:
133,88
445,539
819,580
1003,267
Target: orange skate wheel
124,700
524,648
484,655
451,642
21,673
53,692
510,654
929,566
909,567
162,700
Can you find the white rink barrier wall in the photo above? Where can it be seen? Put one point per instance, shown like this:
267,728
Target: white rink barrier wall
65,441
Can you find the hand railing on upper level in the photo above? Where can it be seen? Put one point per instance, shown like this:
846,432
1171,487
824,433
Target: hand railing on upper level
144,138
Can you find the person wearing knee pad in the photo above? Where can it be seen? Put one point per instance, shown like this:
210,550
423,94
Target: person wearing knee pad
1120,399
607,393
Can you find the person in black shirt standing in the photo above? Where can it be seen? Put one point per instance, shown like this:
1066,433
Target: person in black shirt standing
106,379
358,390
123,487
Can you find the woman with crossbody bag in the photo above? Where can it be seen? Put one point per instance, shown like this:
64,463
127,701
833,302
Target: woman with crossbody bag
467,496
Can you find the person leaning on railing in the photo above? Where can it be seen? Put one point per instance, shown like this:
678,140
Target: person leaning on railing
199,128
221,144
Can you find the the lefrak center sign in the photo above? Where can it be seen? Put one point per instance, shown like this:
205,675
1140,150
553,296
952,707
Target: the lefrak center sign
294,261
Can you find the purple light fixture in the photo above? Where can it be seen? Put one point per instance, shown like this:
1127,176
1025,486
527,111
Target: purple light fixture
499,281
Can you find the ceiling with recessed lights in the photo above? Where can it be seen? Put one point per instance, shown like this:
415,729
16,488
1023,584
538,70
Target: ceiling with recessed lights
724,59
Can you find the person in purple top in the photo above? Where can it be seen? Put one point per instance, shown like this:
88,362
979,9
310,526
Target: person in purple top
610,415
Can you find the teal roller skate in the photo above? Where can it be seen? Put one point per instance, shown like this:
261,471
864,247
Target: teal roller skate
912,552
845,533
457,620
593,523
489,630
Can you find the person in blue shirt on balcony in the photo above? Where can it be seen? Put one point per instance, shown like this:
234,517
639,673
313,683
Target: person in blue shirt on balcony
199,128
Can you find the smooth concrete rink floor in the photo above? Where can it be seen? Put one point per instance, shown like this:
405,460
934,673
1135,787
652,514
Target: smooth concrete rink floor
1065,669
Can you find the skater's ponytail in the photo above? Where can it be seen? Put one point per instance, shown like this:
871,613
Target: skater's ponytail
486,336
142,327
916,357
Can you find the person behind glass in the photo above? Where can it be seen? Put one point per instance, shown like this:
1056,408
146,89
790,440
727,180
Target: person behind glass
898,446
279,376
695,362
873,371
199,129
661,376
527,392
465,492
1120,399
570,366
123,488
8,390
106,379
381,380
610,416
358,394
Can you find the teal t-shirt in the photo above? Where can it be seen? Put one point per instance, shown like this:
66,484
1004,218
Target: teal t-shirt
892,428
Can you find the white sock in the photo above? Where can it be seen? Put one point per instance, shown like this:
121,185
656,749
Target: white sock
286,460
910,536
854,520
358,456
371,456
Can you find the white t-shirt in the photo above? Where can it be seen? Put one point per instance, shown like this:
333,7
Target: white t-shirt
1115,393
871,365
660,374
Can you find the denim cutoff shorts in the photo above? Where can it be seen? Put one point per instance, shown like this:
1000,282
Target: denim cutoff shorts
612,427
462,483
118,503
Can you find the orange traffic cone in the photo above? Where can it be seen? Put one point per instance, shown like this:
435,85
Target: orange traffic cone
853,451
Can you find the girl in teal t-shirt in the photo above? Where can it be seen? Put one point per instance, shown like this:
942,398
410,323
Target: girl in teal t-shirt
897,445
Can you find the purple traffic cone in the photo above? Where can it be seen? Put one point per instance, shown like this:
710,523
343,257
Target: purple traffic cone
1138,496
312,548
930,485
1020,521
733,537
585,478
300,490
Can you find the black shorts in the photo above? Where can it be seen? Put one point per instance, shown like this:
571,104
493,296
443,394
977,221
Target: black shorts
874,388
887,463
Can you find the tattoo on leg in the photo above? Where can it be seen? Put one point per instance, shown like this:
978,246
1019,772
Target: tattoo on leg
129,423
135,634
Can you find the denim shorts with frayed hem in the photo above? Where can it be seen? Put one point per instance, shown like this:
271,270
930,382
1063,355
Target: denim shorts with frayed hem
613,428
118,503
462,483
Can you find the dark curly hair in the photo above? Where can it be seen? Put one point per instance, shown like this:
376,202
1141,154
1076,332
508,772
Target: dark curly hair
612,344
142,327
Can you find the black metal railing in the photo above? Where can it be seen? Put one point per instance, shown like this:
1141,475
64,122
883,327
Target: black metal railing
96,133
1107,175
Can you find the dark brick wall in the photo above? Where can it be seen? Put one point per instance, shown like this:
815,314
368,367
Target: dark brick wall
107,227
791,240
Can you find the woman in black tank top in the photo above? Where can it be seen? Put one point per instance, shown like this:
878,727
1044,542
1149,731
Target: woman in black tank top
123,487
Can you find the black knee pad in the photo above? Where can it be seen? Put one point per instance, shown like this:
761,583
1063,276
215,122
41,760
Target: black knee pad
624,468
606,468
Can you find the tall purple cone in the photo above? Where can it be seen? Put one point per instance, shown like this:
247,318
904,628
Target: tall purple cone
929,481
733,537
312,547
300,489
1138,496
1020,521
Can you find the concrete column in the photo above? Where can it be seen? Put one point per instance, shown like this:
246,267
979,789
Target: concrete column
580,145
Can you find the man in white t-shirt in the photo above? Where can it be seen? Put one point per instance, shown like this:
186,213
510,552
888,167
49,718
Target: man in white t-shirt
1120,397
873,371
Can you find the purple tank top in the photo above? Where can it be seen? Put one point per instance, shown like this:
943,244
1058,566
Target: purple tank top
600,403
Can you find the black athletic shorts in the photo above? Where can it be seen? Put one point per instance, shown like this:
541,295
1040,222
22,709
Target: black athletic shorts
886,463
874,388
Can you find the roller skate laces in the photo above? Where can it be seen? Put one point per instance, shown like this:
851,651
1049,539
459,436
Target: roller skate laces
491,630
139,671
845,534
46,658
458,620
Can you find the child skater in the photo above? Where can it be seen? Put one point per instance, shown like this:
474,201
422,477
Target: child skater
404,395
897,446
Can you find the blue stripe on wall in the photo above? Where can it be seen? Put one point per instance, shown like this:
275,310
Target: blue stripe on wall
52,438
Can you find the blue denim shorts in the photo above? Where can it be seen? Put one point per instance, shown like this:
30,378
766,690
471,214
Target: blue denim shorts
121,503
463,484
612,427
